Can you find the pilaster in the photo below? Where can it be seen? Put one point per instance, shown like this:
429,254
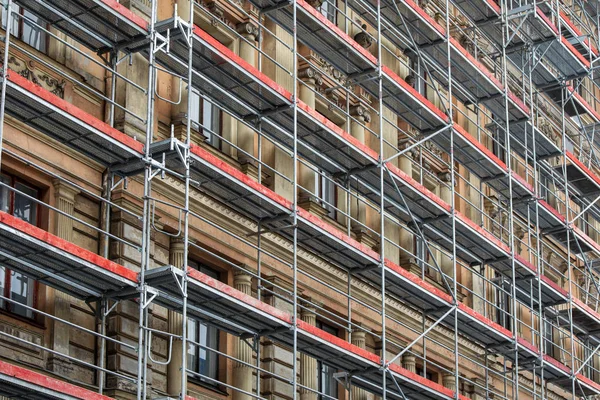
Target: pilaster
64,196
409,362
247,52
359,339
175,321
308,365
242,373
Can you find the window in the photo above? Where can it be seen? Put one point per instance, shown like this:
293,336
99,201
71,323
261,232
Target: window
200,359
25,27
569,146
503,316
498,147
427,375
328,386
423,258
327,195
206,118
14,285
548,338
328,10
417,76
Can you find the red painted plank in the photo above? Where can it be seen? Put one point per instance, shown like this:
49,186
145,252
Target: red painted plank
587,309
482,232
230,56
68,247
368,152
584,104
552,210
577,32
523,182
426,286
576,53
588,382
494,6
484,320
413,92
247,181
547,20
314,331
557,364
336,341
423,15
75,112
585,170
411,376
588,240
44,381
529,346
236,294
479,146
337,31
409,181
126,13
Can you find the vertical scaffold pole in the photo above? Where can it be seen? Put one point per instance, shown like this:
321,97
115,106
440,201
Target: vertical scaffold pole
381,202
186,207
6,4
511,239
295,195
146,223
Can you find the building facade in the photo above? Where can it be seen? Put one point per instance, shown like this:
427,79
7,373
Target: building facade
313,199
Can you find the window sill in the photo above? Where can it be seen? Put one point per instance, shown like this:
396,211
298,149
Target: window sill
34,322
218,389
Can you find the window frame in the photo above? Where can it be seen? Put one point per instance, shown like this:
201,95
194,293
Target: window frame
332,330
329,10
326,192
8,307
44,38
503,304
213,136
213,383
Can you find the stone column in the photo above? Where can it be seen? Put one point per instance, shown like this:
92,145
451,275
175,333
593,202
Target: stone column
409,362
307,176
357,129
406,237
449,381
478,392
446,264
308,365
64,196
245,135
175,320
276,357
242,373
475,199
359,339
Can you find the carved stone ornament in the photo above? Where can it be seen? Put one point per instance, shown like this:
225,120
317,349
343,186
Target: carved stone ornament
315,3
360,111
363,38
247,29
27,70
410,79
331,72
55,86
217,12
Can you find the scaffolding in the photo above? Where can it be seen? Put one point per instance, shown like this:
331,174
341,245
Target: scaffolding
499,96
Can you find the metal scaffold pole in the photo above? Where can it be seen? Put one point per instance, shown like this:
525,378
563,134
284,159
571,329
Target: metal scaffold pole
7,5
295,177
381,161
511,238
147,211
